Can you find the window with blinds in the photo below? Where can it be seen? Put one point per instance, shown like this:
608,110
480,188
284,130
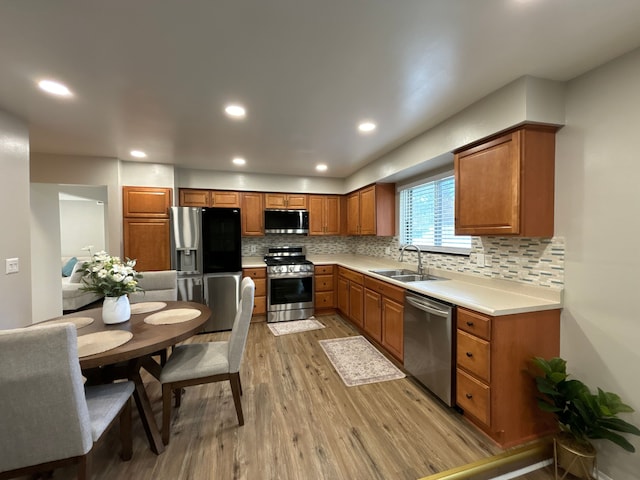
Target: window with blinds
427,212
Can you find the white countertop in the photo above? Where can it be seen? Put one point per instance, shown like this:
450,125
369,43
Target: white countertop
491,296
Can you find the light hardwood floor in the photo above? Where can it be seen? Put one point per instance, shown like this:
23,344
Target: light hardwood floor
301,422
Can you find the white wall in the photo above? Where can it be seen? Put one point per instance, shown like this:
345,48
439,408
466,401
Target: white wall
82,223
597,211
141,174
15,289
78,170
46,288
526,99
189,178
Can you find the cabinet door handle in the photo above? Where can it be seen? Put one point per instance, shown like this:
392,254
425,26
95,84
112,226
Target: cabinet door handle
469,324
469,354
469,396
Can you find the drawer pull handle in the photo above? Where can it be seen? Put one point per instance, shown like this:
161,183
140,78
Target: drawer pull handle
469,354
469,324
469,396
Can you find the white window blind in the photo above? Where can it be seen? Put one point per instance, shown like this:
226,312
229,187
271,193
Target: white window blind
427,213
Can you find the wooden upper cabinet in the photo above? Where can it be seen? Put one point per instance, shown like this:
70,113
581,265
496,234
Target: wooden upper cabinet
225,199
372,210
145,212
147,241
190,197
505,185
252,212
146,202
324,215
293,201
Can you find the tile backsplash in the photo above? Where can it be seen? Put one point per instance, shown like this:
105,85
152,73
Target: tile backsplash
533,261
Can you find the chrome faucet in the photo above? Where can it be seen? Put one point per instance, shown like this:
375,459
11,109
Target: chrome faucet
420,268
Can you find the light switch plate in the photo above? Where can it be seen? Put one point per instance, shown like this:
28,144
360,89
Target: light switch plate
12,265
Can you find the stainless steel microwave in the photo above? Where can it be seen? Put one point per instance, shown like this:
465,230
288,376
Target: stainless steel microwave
286,221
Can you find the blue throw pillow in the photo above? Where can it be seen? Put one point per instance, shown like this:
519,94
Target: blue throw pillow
67,270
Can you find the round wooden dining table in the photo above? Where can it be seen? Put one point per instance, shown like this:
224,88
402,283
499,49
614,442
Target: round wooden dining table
126,360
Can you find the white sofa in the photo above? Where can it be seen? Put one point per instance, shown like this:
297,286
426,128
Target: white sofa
158,286
73,297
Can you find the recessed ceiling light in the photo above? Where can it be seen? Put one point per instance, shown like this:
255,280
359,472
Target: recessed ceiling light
138,154
239,161
235,111
367,127
55,88
321,167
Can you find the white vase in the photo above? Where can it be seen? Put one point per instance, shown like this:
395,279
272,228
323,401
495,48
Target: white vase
116,309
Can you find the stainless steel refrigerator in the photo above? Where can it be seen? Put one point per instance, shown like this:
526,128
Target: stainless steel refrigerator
206,252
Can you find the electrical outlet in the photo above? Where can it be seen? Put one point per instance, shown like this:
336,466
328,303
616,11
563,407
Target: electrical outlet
252,249
12,265
387,251
480,259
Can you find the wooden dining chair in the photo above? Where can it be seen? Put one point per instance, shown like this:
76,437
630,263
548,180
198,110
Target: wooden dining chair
49,419
200,363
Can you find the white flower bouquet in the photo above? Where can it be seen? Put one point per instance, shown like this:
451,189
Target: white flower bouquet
110,276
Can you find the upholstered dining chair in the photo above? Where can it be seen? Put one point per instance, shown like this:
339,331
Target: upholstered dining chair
200,363
49,419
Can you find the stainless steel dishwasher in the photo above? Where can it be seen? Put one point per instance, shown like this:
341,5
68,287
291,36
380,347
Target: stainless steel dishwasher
428,344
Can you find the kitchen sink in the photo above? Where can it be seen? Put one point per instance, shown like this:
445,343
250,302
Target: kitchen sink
392,273
403,275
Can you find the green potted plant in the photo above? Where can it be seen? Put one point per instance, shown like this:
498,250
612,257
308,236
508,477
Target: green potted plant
582,416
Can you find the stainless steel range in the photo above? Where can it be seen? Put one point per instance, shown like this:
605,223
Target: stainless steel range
289,284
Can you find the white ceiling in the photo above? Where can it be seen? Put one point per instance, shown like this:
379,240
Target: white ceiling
156,74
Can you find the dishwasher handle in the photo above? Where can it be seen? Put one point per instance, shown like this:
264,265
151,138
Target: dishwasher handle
426,306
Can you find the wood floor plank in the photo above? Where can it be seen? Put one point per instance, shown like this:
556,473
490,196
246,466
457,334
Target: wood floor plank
301,422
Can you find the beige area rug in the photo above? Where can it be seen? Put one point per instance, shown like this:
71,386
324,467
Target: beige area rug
176,315
99,342
296,326
358,362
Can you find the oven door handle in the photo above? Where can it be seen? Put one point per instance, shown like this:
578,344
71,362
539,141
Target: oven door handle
278,276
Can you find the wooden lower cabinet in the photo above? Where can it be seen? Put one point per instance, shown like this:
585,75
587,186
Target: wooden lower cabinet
393,327
325,292
495,384
259,276
373,315
351,295
384,315
356,303
147,241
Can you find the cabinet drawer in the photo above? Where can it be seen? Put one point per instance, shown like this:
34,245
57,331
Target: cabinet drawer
473,355
324,300
474,323
259,305
324,283
384,288
324,269
261,286
473,397
255,272
351,275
